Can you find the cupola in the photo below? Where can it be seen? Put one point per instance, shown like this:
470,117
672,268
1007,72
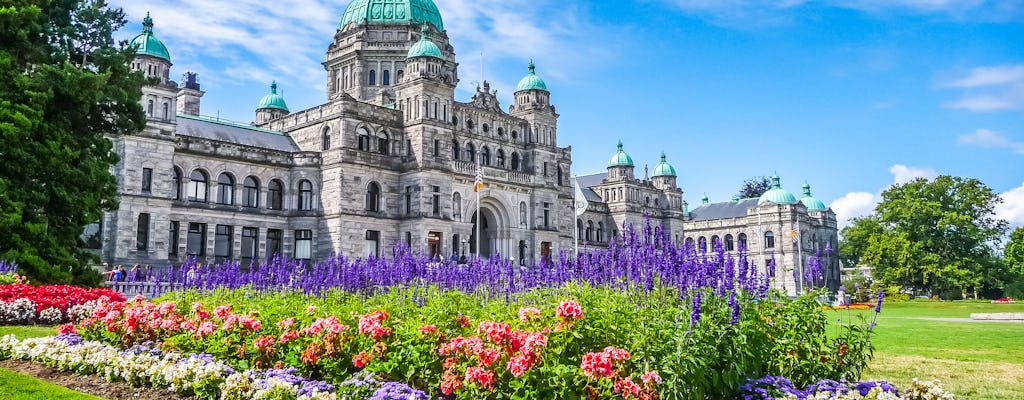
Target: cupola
777,194
812,203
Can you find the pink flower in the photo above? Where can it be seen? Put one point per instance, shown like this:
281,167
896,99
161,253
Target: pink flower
616,353
488,356
206,328
597,365
495,331
288,336
569,309
372,324
66,328
251,323
519,364
222,311
480,376
360,360
310,310
196,306
427,329
627,387
286,323
263,342
528,313
651,376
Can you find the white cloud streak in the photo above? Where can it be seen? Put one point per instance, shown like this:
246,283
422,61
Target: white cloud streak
990,88
859,204
1012,207
745,14
990,139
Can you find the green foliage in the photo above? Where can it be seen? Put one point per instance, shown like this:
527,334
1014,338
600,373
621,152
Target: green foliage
63,86
710,359
754,187
930,236
1013,253
16,386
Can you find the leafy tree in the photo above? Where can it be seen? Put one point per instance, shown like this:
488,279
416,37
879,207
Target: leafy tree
1013,254
63,86
855,239
932,235
754,187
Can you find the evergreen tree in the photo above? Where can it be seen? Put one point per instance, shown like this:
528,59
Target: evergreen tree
64,85
754,187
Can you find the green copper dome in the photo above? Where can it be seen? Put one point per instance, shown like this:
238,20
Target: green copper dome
812,203
664,168
392,11
620,158
424,47
273,100
777,194
146,44
531,81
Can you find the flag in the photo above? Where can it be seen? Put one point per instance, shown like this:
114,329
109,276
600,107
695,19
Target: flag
579,201
796,232
479,183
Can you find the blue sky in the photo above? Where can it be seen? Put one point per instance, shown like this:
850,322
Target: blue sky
850,96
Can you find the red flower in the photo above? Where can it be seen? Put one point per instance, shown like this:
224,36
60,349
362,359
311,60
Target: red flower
360,360
569,309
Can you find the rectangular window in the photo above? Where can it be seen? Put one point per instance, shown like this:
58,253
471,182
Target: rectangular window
408,199
436,201
172,242
273,242
196,243
372,243
437,148
250,251
222,242
142,235
408,239
303,244
547,214
147,180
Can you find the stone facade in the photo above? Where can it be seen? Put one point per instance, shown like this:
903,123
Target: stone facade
390,157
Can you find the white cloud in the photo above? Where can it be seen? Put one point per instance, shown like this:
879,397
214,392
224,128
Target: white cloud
759,13
990,88
859,204
987,138
1012,207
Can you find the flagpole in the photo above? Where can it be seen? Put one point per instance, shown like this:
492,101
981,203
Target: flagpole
479,220
800,259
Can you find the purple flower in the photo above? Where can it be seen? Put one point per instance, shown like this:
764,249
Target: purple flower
878,307
695,310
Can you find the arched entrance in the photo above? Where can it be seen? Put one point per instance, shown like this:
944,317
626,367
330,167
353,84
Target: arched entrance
493,231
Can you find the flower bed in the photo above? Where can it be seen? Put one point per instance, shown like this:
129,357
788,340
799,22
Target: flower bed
1004,300
49,304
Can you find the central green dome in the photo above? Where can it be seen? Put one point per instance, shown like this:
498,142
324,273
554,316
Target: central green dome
393,11
531,81
812,203
664,168
620,158
146,44
777,194
424,47
273,100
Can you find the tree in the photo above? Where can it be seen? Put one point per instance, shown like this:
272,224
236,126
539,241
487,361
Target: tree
754,187
63,86
855,239
934,235
1013,253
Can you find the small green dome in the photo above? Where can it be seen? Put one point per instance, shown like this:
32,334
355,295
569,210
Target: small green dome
146,44
392,11
531,81
705,199
664,168
273,100
812,203
777,194
424,47
620,158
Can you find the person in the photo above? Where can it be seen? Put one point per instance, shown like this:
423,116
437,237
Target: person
134,274
112,273
119,274
462,259
149,273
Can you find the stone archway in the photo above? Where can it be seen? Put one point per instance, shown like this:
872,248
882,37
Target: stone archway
494,227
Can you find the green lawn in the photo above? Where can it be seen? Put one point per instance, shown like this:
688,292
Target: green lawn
974,360
16,386
23,332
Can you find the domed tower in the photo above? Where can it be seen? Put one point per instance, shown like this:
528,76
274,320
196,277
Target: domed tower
271,107
664,176
620,166
777,194
368,55
425,92
152,58
812,203
533,103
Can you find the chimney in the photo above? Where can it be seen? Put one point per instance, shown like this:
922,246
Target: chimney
189,94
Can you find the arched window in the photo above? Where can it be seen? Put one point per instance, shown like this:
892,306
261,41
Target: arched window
579,229
689,243
386,79
590,231
600,232
729,245
225,189
399,75
522,213
501,132
364,139
305,195
325,138
383,143
470,152
373,197
485,128
741,240
275,195
176,181
501,158
167,112
715,242
469,124
455,149
149,109
702,244
515,161
485,156
197,186
373,78
251,192
769,240
457,204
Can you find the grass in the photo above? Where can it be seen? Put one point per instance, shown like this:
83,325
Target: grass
17,386
974,360
30,331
